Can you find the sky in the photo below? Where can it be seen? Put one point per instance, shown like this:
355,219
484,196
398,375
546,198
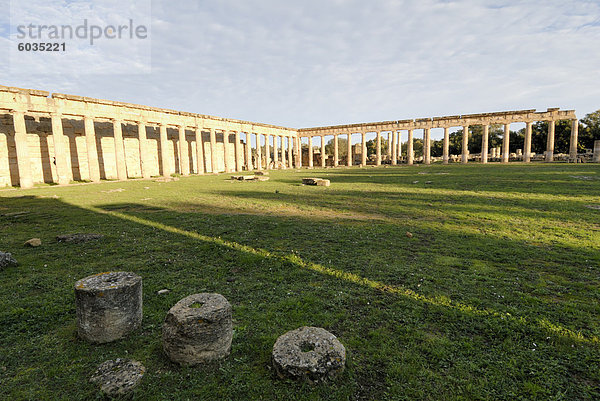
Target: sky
309,63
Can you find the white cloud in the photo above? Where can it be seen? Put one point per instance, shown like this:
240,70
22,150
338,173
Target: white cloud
316,62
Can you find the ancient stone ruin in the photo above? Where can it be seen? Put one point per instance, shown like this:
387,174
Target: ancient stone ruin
198,329
61,138
316,181
78,237
108,306
308,353
6,259
118,377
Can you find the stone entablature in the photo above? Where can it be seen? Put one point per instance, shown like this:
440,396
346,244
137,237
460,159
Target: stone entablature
33,101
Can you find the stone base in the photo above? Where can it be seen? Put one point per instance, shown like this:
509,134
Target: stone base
308,353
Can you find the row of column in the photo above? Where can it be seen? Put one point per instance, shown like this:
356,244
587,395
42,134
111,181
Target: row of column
394,145
549,154
61,154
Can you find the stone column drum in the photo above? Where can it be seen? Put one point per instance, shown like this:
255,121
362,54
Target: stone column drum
198,329
109,306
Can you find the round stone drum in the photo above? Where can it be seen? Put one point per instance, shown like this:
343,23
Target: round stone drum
198,329
109,306
308,353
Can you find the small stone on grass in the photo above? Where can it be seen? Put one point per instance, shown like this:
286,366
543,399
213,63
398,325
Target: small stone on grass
118,377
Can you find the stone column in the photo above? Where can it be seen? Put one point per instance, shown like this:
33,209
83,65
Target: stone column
378,162
143,142
164,153
446,146
184,158
573,141
427,145
484,143
298,151
290,140
399,146
238,152
310,152
92,151
596,156
267,152
199,152
389,147
283,161
258,153
323,151
336,157
275,150
119,149
550,142
410,154
228,167
213,150
364,149
527,144
505,143
23,160
249,165
465,145
394,148
349,146
60,152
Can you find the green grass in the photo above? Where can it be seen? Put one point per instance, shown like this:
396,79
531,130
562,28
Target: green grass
495,296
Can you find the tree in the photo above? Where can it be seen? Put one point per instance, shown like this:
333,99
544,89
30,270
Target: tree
589,131
342,147
372,147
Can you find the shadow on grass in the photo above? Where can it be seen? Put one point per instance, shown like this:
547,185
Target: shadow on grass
512,178
280,273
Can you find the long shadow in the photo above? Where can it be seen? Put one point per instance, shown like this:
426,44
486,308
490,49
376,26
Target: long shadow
385,204
278,282
517,178
446,268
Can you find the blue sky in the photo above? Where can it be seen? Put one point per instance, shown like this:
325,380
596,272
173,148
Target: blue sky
321,62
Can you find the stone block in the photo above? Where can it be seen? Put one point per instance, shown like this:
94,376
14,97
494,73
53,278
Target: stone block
308,353
108,306
198,329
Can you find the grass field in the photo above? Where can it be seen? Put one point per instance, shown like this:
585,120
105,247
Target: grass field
495,296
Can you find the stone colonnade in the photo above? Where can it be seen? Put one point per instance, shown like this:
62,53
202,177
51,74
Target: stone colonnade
197,153
394,129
